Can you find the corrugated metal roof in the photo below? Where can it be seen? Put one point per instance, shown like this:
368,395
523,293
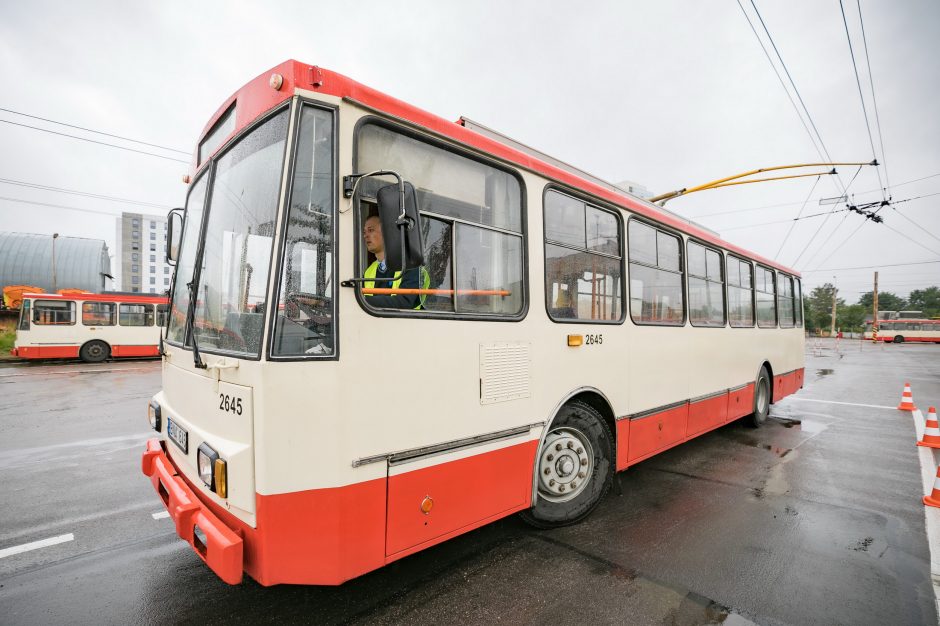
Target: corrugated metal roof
26,259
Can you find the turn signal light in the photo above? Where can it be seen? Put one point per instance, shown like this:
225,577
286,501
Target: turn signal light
221,478
575,340
427,504
153,415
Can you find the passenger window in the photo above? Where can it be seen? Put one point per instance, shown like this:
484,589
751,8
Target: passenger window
98,313
53,312
655,276
162,312
471,218
798,301
785,306
706,286
583,261
135,315
740,293
766,298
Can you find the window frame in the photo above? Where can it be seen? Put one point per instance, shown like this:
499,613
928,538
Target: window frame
113,320
73,310
283,218
149,313
723,266
791,323
468,152
595,203
798,301
682,270
773,295
753,290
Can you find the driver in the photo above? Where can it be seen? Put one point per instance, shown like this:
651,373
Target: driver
372,234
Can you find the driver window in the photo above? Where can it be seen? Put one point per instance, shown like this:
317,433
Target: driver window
304,317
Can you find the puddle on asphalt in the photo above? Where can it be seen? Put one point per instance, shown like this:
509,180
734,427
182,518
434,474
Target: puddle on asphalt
823,372
814,427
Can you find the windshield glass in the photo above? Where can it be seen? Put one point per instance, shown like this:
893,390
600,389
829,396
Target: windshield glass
304,322
187,260
230,298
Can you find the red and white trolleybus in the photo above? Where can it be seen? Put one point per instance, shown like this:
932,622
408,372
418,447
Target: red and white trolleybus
89,326
315,424
901,330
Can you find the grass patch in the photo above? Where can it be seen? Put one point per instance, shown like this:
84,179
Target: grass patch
7,337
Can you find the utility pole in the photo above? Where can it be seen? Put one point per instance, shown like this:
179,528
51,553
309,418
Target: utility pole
54,285
832,330
874,302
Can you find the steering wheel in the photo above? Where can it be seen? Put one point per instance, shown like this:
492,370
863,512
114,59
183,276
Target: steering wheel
318,308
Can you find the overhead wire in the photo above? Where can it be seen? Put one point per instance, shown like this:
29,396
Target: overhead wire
793,225
91,130
59,206
101,143
75,192
874,101
858,82
869,267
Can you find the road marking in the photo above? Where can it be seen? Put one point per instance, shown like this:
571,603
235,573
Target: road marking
160,515
35,545
870,406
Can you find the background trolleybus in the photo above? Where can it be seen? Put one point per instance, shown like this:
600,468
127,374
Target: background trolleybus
89,326
901,330
564,331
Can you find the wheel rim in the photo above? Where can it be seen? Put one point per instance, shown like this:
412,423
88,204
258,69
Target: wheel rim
566,465
95,351
762,394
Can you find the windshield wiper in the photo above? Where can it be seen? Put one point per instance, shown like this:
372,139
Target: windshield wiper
189,331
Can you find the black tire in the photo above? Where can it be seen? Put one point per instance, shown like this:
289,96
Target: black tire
761,399
94,351
898,339
592,450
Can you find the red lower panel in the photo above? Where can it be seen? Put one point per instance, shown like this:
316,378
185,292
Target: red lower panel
786,384
708,413
129,351
657,431
46,352
463,493
741,402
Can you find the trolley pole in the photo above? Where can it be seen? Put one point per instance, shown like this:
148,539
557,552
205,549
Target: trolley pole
874,303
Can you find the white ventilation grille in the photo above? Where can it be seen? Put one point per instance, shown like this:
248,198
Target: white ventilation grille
504,372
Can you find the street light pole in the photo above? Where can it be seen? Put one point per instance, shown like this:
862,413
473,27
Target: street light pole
832,330
54,283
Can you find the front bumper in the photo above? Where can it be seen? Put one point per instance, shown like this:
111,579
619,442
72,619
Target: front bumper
222,548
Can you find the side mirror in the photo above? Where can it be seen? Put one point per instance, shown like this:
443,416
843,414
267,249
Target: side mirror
401,230
174,235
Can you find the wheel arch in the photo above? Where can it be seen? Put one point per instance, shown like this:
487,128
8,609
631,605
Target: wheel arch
599,402
770,373
96,340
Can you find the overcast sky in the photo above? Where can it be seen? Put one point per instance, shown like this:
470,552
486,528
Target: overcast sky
667,94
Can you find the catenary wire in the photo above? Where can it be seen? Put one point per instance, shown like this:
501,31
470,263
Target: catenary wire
858,82
75,192
868,267
874,101
793,225
101,143
59,206
91,130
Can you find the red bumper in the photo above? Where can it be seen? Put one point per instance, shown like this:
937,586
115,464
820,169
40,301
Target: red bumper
222,548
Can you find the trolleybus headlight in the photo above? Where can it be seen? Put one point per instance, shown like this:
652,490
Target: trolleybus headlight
205,459
153,414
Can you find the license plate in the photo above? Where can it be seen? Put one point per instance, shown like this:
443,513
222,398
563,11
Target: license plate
178,435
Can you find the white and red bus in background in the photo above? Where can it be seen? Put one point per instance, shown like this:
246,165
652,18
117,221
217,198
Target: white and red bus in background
89,326
310,429
902,330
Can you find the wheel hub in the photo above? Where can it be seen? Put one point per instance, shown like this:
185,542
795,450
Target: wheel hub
566,464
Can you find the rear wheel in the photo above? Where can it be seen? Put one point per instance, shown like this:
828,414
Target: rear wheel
761,399
574,468
898,339
94,351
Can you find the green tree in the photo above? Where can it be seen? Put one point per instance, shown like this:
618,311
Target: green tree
818,307
887,301
926,300
851,317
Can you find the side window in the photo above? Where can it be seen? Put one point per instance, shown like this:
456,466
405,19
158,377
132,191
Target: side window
583,261
766,298
162,314
471,225
655,275
136,314
706,286
785,301
24,316
53,312
740,293
798,301
98,313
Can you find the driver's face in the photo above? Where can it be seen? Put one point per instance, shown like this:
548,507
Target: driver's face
372,234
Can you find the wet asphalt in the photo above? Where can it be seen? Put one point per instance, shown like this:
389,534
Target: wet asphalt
815,518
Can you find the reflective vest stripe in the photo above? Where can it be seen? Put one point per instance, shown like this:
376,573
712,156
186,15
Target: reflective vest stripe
396,283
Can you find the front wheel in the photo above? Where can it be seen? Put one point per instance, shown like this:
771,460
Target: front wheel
94,351
574,468
761,399
898,339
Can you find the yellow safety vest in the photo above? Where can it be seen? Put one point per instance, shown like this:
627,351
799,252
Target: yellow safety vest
396,282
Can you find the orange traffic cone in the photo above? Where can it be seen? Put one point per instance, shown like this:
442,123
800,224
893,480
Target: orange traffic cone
931,431
934,498
907,399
